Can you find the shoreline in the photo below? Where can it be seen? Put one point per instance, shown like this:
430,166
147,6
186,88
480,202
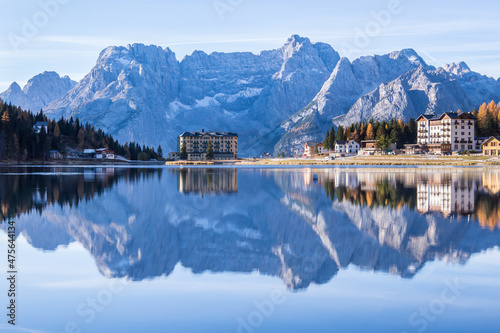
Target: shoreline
402,160
397,160
82,162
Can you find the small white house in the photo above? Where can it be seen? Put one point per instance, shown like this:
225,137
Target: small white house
322,150
352,147
105,153
37,128
341,146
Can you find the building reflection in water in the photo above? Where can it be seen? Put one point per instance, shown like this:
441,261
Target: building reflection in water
207,181
448,192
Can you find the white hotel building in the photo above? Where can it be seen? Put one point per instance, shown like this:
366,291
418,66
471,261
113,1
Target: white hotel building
450,131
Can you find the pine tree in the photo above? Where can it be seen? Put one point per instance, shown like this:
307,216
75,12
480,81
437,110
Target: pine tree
42,143
362,132
16,149
57,131
6,138
159,151
126,151
347,134
498,118
355,136
340,133
488,126
481,116
370,134
326,142
332,137
382,140
81,138
210,151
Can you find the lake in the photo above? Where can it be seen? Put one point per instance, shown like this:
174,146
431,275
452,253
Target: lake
252,249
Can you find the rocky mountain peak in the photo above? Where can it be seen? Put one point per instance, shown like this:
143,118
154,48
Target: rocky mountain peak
409,54
14,87
457,69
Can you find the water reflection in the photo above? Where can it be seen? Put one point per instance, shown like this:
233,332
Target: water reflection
204,181
138,224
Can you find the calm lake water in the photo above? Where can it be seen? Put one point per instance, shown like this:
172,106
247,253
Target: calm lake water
253,249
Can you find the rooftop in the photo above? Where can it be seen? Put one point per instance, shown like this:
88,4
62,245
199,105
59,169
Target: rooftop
212,134
452,115
491,138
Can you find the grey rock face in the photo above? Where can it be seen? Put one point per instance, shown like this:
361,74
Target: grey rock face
39,91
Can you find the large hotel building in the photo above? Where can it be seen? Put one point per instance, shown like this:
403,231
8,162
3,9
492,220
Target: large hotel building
225,145
450,131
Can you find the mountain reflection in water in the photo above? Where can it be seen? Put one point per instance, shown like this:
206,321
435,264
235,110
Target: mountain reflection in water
140,223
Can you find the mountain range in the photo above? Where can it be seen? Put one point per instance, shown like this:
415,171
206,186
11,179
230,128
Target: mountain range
276,100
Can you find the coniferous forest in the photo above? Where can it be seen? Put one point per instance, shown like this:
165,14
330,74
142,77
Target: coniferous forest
19,141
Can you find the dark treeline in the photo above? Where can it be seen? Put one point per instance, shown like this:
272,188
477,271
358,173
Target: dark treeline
18,140
384,132
26,191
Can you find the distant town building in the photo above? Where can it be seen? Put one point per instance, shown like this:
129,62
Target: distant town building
89,153
309,148
105,153
321,149
479,142
353,147
224,144
450,131
55,155
341,146
37,128
369,147
175,156
491,147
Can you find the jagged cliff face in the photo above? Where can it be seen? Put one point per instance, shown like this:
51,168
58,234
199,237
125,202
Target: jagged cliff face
275,100
276,223
39,91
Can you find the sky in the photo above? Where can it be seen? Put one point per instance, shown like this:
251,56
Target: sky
67,36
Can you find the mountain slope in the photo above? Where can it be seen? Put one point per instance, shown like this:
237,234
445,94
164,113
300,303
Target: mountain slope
39,91
420,90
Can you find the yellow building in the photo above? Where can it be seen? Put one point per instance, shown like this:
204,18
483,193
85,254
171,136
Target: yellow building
491,147
224,144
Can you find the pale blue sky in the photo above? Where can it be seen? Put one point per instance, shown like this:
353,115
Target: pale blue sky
69,39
